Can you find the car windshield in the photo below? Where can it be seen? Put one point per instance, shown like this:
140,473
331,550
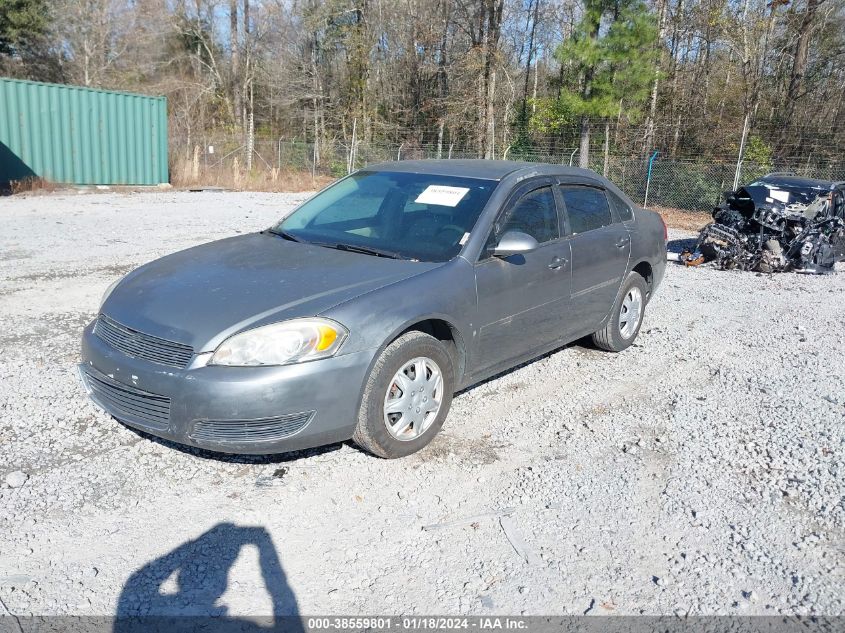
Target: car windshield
393,214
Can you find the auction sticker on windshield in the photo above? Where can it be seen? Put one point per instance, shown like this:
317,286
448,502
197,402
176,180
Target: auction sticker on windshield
442,195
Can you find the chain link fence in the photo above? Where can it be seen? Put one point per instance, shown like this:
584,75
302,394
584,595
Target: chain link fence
688,185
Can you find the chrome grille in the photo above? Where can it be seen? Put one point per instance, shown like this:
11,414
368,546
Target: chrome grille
123,401
144,346
259,430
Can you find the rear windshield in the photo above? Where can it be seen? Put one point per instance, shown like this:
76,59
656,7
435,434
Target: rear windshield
410,216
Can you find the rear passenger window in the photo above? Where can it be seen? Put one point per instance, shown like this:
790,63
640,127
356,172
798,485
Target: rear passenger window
622,207
587,209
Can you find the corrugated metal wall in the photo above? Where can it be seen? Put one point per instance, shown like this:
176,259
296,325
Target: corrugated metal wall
77,135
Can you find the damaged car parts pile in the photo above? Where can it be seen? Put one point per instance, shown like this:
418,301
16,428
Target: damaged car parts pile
778,223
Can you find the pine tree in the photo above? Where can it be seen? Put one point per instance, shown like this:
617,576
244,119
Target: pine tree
20,22
24,45
610,62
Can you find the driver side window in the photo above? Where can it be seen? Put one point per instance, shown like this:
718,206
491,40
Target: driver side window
535,214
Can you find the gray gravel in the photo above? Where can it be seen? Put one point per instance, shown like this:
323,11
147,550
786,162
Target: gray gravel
702,471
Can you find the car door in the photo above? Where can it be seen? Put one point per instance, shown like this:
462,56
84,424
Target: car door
600,245
522,299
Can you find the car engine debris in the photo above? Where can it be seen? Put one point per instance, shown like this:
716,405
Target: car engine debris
777,224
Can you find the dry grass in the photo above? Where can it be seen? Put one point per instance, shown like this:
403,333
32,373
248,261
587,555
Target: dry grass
32,184
682,219
189,175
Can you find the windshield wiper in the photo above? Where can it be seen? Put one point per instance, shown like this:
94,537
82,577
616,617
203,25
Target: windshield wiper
284,234
353,248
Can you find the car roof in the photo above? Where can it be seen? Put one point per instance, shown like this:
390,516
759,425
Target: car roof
478,168
784,180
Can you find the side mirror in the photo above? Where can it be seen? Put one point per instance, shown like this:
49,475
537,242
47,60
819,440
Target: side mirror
515,243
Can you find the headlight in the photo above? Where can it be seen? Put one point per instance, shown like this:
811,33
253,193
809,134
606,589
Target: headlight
108,291
294,341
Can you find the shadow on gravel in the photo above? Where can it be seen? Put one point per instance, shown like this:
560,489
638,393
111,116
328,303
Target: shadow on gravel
233,458
583,344
180,590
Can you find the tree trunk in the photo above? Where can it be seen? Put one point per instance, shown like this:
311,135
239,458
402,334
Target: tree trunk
490,117
443,76
440,140
234,47
648,140
799,63
584,148
492,9
606,149
586,93
524,112
246,88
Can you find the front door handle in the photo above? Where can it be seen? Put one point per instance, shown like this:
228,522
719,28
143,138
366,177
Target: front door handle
623,242
558,262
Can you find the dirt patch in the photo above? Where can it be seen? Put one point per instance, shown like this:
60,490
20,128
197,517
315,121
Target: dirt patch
478,451
683,219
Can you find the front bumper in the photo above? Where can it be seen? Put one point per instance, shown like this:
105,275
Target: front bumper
252,410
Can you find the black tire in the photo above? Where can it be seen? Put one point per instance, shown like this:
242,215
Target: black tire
610,337
371,431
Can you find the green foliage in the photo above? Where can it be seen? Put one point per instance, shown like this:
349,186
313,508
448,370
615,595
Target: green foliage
684,186
553,115
609,64
757,151
522,147
21,23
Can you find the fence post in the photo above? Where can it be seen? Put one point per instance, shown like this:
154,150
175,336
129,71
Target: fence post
572,156
399,151
648,178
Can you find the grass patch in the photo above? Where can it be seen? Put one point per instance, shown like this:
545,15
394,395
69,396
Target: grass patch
683,219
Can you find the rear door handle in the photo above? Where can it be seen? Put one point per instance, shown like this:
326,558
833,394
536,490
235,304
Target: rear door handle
558,262
623,241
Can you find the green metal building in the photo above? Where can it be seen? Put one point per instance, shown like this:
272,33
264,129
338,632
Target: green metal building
69,134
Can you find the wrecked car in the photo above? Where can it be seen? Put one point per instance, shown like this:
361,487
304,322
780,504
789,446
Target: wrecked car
778,223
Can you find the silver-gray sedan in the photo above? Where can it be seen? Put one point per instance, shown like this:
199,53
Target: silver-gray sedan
361,313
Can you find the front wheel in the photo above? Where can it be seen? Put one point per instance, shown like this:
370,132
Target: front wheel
627,316
406,397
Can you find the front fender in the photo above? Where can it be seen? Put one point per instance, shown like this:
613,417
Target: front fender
375,319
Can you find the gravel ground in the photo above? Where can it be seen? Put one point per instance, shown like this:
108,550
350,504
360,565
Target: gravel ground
702,471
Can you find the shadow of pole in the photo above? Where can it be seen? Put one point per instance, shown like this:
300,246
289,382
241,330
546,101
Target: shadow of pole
198,572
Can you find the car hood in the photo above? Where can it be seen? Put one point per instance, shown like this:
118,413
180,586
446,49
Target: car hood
204,294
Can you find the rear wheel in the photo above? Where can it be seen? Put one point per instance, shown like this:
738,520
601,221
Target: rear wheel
627,316
406,397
